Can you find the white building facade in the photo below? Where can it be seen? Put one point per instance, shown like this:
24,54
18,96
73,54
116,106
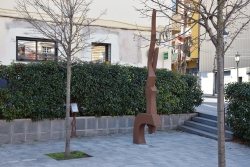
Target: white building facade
119,27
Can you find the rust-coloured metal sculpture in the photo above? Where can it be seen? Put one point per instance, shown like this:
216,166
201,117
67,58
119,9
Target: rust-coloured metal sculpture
151,118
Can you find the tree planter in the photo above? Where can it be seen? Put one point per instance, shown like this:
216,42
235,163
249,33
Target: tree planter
22,130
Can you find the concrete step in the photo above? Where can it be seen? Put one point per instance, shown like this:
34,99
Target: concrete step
207,128
212,117
209,122
199,132
205,121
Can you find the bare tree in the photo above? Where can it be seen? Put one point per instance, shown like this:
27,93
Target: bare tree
65,22
214,16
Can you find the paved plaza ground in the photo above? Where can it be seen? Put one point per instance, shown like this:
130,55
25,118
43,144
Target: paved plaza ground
163,149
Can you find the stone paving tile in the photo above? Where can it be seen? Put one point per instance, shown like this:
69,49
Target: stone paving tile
14,165
163,149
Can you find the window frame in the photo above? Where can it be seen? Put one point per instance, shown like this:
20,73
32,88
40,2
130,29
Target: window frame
107,46
36,40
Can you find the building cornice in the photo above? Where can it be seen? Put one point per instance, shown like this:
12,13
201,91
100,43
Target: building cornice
8,13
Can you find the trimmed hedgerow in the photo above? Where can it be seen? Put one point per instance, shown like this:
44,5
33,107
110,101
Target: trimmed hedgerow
37,90
238,109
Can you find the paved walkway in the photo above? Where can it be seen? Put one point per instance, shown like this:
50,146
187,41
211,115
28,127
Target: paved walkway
209,96
208,106
163,149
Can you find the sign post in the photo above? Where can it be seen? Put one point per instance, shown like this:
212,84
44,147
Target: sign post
74,110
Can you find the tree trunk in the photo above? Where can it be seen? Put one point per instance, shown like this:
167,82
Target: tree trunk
220,98
220,111
67,143
69,64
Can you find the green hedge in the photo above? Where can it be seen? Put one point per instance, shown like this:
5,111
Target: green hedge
238,110
37,90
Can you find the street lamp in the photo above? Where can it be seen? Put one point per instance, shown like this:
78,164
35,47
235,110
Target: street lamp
237,60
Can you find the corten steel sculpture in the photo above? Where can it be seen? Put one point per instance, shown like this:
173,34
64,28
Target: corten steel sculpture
151,118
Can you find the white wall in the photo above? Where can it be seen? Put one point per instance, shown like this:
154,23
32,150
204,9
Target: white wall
126,48
207,79
123,11
106,36
206,82
117,10
9,30
3,40
242,73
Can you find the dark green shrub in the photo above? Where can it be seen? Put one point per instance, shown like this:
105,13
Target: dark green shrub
192,91
3,92
37,90
238,110
109,90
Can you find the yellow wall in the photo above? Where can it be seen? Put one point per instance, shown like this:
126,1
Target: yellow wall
191,64
195,38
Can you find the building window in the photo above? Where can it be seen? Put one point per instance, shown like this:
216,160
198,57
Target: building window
35,49
101,52
46,49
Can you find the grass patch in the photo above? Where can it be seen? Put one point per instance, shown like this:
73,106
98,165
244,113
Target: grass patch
73,155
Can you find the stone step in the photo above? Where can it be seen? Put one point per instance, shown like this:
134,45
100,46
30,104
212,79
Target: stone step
212,117
199,132
207,128
209,122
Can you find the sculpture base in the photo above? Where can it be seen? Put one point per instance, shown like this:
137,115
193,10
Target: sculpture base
152,120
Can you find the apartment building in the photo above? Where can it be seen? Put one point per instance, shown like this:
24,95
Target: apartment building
201,60
185,34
